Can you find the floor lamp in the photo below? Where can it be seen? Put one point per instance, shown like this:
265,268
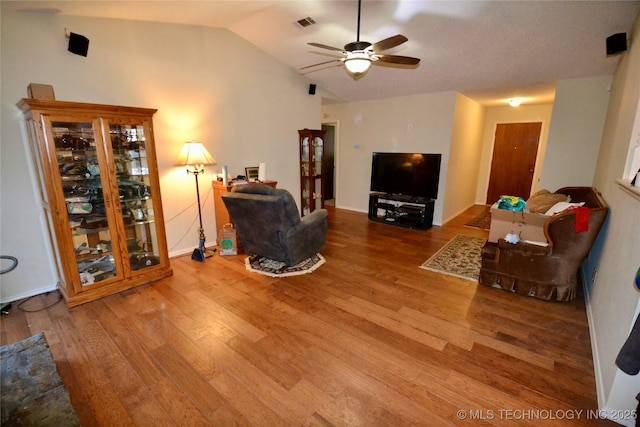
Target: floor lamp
195,157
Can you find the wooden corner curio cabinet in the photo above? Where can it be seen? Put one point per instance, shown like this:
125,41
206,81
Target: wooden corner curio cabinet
311,177
99,186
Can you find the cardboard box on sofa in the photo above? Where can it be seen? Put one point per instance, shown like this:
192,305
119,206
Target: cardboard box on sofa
529,226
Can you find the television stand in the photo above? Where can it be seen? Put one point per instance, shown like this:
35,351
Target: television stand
401,210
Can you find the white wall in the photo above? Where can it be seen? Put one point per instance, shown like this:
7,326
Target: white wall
208,85
211,86
613,301
521,114
414,124
429,122
464,157
575,132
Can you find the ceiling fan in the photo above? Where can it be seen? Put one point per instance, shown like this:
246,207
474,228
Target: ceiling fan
359,55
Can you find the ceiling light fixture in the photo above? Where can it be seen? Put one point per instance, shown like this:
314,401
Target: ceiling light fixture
515,102
359,55
357,63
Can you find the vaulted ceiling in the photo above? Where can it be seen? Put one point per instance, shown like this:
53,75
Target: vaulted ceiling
489,50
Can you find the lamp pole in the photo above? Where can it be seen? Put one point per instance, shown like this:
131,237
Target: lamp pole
197,172
199,254
194,153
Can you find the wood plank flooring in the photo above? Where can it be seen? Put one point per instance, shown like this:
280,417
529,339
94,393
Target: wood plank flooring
368,339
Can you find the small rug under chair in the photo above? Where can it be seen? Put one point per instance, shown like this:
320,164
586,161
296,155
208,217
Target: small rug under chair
261,265
32,391
482,220
460,257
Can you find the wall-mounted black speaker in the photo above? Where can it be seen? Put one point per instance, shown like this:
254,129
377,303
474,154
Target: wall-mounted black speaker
616,44
78,44
312,89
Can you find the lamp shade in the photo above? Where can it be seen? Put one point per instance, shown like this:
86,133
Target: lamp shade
357,63
194,153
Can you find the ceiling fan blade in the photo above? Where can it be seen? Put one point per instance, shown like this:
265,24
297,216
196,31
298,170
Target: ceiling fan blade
397,59
321,63
388,43
324,46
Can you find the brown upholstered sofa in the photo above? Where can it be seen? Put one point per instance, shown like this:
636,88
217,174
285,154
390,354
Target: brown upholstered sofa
547,272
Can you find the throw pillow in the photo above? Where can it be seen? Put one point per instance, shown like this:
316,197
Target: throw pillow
541,201
561,206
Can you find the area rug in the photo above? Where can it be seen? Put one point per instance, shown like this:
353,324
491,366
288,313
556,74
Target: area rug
32,392
460,257
482,220
268,267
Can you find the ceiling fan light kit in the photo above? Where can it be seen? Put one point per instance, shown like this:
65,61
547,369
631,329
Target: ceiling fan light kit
357,63
359,55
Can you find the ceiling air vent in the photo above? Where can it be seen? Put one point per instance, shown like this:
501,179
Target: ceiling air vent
305,22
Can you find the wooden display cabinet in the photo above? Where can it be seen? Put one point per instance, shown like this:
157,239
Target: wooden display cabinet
100,192
311,178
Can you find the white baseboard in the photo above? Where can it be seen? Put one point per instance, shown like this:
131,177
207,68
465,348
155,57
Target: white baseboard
181,252
594,348
624,387
30,293
456,214
349,208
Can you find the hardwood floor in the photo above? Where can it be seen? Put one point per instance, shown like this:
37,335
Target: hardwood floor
368,339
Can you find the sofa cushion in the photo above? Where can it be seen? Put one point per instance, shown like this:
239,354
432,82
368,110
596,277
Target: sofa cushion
562,206
541,201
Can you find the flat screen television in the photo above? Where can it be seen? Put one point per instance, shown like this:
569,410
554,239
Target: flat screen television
407,174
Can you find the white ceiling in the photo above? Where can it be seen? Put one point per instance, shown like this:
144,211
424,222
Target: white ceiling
490,51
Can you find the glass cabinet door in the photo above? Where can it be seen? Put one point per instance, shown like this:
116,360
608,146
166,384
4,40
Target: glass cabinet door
86,206
306,197
304,157
317,155
311,179
43,178
317,200
129,151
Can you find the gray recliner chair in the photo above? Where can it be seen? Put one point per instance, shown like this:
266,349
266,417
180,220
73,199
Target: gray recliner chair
268,224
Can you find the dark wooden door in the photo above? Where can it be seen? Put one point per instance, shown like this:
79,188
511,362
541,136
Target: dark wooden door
514,159
328,161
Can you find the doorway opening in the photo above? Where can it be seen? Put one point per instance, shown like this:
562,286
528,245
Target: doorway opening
328,164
